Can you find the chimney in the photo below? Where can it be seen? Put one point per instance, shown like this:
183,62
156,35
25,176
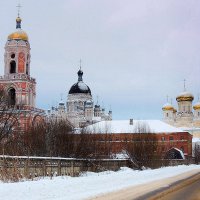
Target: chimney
131,121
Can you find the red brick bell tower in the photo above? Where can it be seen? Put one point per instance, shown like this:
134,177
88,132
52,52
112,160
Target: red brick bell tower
17,82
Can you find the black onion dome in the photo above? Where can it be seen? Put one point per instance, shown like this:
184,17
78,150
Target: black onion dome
80,86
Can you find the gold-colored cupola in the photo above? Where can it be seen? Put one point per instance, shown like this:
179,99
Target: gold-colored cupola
19,34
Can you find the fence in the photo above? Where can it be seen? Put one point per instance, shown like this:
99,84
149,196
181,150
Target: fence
50,166
29,167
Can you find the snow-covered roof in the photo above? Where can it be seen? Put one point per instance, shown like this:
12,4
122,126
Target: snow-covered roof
190,128
82,85
123,126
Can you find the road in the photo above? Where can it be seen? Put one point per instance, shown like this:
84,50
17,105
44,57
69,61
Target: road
184,186
187,190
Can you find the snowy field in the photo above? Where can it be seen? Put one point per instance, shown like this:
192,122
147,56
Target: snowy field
89,184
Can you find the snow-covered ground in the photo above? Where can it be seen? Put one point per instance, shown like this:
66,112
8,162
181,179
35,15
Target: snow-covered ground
89,184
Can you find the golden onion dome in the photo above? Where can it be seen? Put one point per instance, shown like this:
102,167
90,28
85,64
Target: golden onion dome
167,107
196,106
18,19
19,34
185,96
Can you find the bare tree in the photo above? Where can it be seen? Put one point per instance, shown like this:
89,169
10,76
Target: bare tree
8,121
197,153
142,149
86,144
34,140
52,138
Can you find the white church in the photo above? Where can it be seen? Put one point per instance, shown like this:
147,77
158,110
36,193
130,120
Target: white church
79,109
186,116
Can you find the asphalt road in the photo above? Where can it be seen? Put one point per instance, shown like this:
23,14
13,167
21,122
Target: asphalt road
188,190
159,189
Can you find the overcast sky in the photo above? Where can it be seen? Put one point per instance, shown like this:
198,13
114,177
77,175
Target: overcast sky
134,52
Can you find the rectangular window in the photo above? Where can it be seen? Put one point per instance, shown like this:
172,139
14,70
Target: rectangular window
171,138
162,138
182,137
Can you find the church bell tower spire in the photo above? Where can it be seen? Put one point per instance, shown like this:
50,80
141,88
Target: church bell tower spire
18,20
19,85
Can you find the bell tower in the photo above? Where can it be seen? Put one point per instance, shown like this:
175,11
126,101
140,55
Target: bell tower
17,81
17,52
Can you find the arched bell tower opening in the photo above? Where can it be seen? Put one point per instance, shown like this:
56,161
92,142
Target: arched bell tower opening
11,97
27,64
12,67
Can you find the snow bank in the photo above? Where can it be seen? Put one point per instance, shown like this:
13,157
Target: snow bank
89,184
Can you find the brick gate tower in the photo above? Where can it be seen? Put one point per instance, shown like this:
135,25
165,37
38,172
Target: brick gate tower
17,82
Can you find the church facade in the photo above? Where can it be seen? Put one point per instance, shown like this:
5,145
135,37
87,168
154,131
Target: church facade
187,114
80,110
17,82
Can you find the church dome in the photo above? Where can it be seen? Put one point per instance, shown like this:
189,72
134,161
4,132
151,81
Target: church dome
80,86
175,110
167,107
61,103
88,104
185,96
19,34
196,106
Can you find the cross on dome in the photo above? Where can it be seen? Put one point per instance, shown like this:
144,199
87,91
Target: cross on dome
167,98
97,99
184,84
18,20
18,9
80,63
61,96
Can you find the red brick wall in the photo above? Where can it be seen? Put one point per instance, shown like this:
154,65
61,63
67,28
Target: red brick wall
166,141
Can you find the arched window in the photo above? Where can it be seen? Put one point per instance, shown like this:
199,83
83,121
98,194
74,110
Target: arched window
12,67
27,64
30,98
12,56
27,68
12,97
